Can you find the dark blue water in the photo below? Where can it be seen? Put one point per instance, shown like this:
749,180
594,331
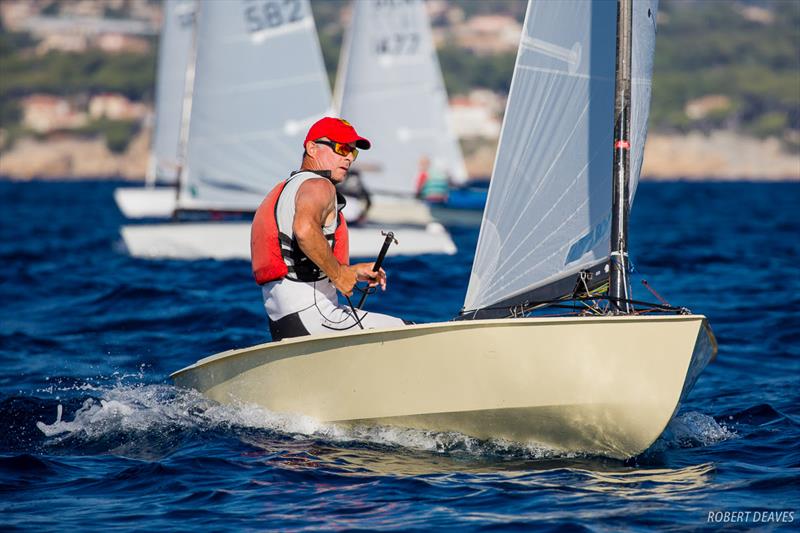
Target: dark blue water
86,328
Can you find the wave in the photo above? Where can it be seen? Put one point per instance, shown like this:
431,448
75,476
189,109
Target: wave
152,420
693,430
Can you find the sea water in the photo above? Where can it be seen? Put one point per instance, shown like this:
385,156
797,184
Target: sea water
94,436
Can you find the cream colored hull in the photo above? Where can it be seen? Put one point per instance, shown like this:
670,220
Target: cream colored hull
606,385
231,240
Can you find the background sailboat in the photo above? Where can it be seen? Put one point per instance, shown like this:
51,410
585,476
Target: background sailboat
592,381
175,46
389,83
259,83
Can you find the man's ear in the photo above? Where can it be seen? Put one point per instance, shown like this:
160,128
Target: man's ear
311,148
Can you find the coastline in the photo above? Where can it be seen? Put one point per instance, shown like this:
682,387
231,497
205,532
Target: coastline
70,158
719,156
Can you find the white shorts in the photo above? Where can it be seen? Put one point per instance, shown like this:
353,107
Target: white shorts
298,308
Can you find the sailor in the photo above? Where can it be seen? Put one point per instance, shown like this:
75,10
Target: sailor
432,184
299,242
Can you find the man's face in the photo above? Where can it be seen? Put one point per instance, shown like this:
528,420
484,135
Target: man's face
328,159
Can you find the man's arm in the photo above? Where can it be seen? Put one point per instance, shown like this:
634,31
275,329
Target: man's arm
314,204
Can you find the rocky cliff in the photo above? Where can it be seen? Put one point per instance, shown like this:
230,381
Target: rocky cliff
722,155
70,157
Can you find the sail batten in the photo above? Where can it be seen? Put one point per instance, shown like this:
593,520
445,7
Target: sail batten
548,211
258,81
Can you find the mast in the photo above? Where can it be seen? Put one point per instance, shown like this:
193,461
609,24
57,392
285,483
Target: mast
150,175
619,286
186,108
341,70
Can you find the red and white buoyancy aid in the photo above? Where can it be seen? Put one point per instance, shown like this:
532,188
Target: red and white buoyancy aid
275,254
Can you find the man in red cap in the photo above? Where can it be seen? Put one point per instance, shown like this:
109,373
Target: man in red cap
299,242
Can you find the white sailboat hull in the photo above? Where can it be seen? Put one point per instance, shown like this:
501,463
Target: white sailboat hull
145,202
231,240
149,202
605,385
386,209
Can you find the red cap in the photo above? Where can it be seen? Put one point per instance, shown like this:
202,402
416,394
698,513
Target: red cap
338,130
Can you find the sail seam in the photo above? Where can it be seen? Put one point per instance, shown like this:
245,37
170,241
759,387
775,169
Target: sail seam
528,146
545,259
551,234
566,74
286,82
535,192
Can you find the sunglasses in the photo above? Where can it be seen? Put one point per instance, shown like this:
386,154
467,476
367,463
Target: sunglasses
342,149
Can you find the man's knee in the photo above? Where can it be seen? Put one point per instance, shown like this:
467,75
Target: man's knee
376,320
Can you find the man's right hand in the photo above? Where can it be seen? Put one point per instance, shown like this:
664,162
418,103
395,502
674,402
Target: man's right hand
345,280
349,275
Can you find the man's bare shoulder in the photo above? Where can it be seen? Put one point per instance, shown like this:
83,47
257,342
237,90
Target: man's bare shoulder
315,191
317,184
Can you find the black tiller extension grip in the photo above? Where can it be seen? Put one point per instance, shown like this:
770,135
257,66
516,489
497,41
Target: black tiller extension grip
378,262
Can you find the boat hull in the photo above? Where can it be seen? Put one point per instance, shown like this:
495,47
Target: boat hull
387,209
604,385
231,240
145,202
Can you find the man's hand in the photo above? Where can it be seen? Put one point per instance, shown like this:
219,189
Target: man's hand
348,275
365,273
345,280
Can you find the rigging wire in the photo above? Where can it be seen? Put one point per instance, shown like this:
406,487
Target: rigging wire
589,302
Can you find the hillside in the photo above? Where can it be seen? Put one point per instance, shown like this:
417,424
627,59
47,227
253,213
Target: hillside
720,66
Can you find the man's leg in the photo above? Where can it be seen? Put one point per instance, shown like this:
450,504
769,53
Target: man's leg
286,327
339,319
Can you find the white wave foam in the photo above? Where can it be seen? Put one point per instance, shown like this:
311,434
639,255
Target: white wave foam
691,430
119,408
128,411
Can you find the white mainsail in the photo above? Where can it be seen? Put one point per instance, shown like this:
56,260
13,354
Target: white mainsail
548,213
259,83
173,56
390,85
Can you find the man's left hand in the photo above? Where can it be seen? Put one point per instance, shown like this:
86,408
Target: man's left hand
364,272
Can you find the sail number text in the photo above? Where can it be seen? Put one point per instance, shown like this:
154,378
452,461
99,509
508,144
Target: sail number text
269,14
397,44
186,20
